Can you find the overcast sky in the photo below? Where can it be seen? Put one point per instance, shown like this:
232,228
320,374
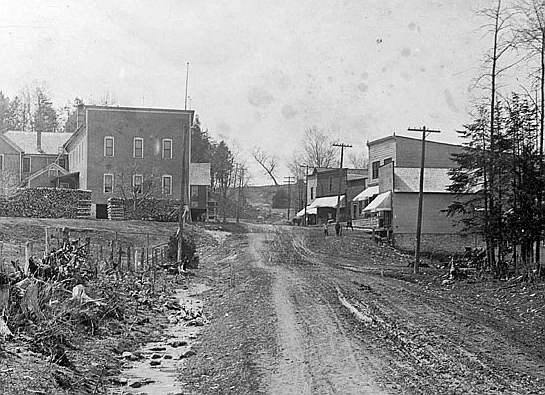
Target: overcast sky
261,71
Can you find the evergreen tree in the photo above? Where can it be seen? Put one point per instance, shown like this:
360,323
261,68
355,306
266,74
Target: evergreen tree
14,117
201,144
44,115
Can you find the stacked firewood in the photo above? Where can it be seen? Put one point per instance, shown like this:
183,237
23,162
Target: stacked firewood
44,203
151,209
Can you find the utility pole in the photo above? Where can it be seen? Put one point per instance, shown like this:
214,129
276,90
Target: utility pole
338,212
289,180
235,188
183,189
186,81
306,193
420,193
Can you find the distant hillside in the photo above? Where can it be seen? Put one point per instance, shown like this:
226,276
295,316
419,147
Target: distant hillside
260,195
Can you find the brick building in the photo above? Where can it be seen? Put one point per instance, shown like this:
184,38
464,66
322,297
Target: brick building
116,151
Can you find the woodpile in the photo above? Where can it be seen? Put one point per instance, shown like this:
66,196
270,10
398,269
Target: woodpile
149,209
116,209
83,210
46,203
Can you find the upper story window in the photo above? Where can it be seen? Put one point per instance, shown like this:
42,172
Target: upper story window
167,185
62,163
311,193
387,160
137,181
138,147
330,183
53,172
194,190
26,164
374,169
108,146
108,186
167,148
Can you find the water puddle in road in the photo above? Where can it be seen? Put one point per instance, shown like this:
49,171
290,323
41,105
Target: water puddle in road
155,372
359,314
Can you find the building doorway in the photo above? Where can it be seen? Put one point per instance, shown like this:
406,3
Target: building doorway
102,211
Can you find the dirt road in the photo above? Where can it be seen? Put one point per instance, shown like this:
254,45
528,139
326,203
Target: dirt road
300,313
317,355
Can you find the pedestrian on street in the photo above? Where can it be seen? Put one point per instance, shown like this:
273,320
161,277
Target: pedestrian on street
326,230
338,229
349,224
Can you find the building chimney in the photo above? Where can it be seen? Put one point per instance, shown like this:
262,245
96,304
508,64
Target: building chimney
39,141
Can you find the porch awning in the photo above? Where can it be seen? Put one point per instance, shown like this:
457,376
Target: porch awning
328,201
382,202
310,211
366,193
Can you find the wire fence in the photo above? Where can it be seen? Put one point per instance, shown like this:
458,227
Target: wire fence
105,251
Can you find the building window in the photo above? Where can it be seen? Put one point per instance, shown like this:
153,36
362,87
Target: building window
62,163
194,191
330,183
26,165
138,147
108,183
167,185
108,146
387,160
1,162
137,181
53,173
374,168
167,148
311,193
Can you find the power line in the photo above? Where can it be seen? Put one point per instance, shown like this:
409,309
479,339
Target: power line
423,130
338,210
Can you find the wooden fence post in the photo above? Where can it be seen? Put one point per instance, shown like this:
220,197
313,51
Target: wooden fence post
147,250
119,254
142,259
65,236
47,239
28,253
112,254
129,258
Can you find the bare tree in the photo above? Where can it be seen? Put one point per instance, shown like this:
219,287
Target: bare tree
316,150
504,40
107,99
267,161
137,183
358,160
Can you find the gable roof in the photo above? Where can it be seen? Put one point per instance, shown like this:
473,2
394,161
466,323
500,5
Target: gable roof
43,170
10,143
26,141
